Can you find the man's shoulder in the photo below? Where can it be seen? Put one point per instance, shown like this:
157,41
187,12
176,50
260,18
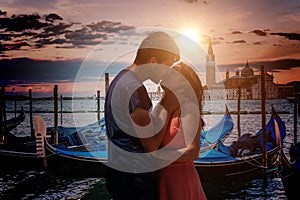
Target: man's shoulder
127,79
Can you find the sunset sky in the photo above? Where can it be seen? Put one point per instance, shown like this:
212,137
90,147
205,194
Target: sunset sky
43,43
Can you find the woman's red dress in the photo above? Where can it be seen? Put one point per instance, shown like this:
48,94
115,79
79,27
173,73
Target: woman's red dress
179,180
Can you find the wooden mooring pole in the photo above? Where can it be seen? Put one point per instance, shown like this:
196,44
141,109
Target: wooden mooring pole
106,89
30,114
263,124
61,110
55,91
3,103
1,116
106,83
263,114
15,108
295,115
239,112
98,106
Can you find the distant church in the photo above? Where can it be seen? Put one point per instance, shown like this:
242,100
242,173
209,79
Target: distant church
228,88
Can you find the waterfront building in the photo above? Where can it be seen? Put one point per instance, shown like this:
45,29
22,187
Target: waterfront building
249,83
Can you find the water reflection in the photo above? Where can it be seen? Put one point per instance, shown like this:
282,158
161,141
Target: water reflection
39,185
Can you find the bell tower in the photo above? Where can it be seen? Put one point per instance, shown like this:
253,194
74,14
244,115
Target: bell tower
227,74
210,66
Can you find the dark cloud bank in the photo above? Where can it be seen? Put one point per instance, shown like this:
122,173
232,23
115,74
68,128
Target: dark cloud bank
28,71
39,31
270,66
36,32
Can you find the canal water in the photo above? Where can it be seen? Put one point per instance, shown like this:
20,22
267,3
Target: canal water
30,184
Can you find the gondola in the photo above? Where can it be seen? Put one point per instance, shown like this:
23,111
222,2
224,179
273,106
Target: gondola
80,152
209,139
221,165
12,123
18,152
82,156
212,165
289,167
289,171
22,152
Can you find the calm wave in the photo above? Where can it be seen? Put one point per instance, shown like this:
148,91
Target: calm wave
38,185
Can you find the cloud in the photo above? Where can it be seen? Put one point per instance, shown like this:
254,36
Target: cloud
270,66
236,32
109,27
12,46
290,17
53,17
42,42
283,64
29,71
290,36
191,1
5,36
239,42
19,23
259,32
57,29
42,31
83,34
195,1
257,43
3,12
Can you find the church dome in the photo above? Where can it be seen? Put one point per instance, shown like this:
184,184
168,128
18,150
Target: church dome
247,71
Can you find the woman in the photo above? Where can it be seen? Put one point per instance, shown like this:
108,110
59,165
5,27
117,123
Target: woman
180,180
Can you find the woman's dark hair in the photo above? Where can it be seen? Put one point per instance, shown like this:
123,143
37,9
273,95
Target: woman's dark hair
193,78
143,56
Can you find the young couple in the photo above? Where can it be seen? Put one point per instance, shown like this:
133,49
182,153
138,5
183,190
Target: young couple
151,151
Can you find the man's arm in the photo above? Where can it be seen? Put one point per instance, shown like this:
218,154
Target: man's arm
191,130
150,127
148,124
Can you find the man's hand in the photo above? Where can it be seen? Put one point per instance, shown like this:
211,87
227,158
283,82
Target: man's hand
168,100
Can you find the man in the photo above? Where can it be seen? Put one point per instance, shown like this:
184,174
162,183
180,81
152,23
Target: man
128,106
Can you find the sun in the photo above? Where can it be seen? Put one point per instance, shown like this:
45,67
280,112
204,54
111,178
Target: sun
192,34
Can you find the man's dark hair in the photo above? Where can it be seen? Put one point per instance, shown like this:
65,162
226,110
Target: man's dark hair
143,55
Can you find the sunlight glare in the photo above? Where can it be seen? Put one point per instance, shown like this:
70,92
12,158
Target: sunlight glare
192,34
